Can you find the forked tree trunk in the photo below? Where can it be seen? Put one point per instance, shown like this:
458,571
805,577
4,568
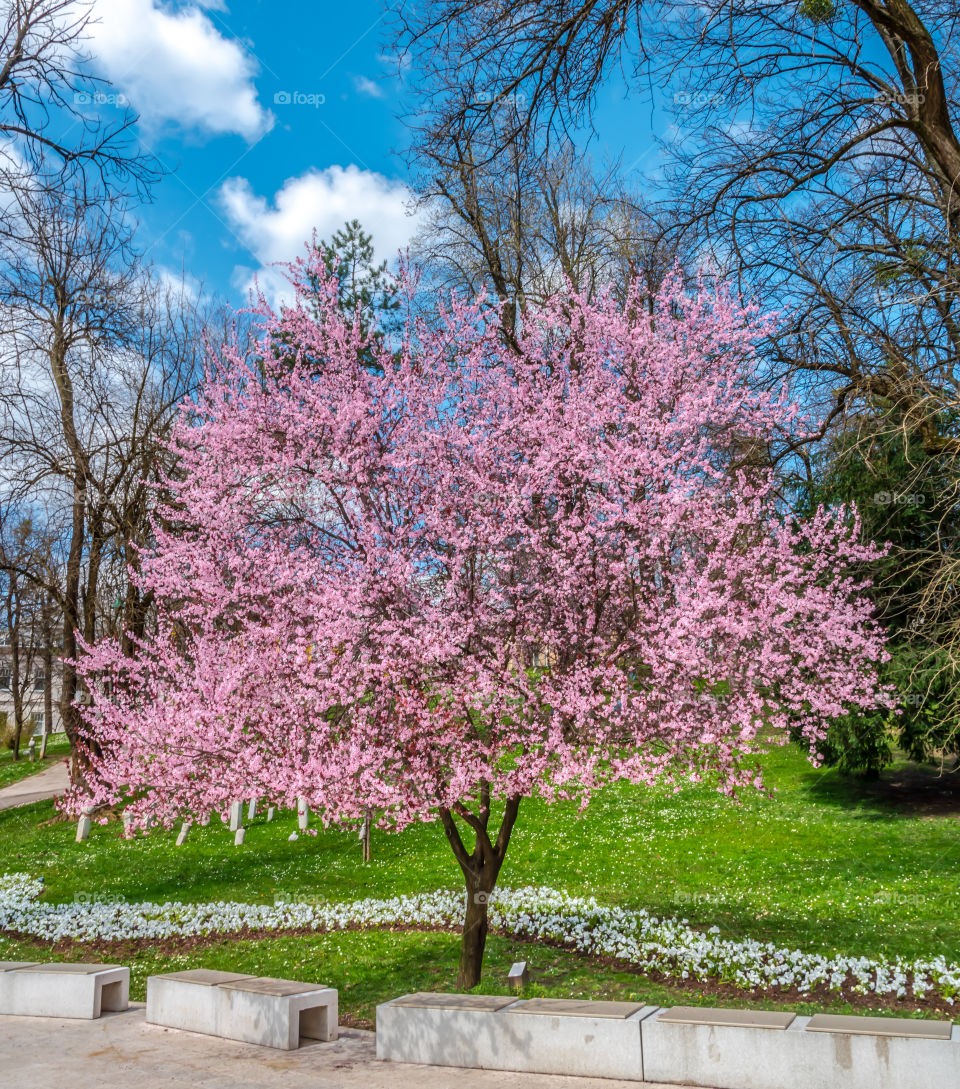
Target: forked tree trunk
481,868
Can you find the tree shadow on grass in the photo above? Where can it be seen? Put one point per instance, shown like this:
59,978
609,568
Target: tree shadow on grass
907,789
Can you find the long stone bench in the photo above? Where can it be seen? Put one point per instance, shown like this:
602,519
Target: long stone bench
720,1048
749,1049
542,1035
28,989
254,1009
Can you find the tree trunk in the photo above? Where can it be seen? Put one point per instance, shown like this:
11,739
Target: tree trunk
88,593
47,680
16,681
72,613
475,928
70,714
17,733
481,868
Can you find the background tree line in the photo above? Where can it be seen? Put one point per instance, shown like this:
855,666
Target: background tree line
817,174
97,351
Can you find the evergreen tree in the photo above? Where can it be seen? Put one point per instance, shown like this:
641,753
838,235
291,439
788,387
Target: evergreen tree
366,291
904,497
364,288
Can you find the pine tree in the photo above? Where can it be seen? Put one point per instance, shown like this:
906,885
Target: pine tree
364,287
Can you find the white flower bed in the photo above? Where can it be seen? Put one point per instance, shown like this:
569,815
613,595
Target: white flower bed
644,941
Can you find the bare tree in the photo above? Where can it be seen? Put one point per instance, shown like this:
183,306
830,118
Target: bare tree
48,641
521,220
94,359
50,121
838,204
820,165
817,167
21,622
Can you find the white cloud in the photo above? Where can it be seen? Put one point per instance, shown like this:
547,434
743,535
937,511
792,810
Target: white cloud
177,283
322,200
174,66
368,87
395,62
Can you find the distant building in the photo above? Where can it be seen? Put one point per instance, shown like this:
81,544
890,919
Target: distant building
34,714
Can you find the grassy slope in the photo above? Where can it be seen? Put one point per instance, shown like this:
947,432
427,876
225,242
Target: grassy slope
817,865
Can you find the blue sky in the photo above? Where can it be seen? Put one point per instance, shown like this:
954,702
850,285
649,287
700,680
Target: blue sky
273,119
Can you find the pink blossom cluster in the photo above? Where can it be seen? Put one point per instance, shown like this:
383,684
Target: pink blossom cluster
380,587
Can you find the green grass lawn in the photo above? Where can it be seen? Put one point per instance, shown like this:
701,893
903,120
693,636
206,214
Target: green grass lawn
12,771
818,864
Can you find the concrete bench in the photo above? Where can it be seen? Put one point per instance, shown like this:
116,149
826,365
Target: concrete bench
254,1009
719,1048
542,1035
751,1049
62,990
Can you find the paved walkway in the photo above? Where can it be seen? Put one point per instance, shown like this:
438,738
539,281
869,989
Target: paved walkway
120,1049
48,783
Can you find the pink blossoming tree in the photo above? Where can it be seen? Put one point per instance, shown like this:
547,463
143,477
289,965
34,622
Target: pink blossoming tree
461,577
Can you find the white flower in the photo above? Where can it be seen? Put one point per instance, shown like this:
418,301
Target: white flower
670,946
